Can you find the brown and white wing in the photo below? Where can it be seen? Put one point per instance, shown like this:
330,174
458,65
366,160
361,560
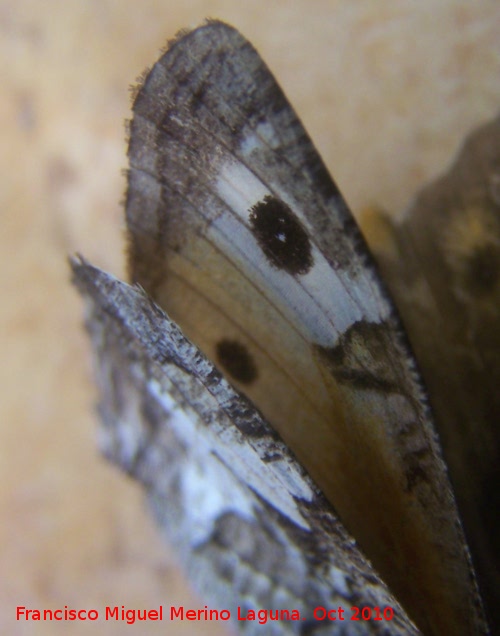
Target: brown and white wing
239,233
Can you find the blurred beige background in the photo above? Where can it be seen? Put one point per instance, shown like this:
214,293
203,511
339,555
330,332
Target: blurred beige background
387,90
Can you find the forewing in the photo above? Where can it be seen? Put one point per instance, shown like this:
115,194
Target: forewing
236,229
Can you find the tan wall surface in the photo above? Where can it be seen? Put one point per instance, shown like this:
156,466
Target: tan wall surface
387,90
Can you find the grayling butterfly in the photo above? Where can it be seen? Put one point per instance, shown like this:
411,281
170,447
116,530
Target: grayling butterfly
239,234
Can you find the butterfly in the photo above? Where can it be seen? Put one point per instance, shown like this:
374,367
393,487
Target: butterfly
292,358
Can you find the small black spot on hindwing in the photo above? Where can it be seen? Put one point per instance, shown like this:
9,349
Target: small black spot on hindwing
281,236
236,360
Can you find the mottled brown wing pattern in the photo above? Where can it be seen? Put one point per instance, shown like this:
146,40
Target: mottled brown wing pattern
249,526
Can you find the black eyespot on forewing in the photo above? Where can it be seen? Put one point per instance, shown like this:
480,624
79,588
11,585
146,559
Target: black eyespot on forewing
235,358
281,236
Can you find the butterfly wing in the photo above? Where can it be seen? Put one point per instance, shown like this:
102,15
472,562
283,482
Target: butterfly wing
442,265
237,230
247,524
